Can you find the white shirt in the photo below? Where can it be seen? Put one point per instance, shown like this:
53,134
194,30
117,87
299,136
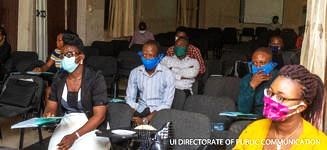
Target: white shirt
182,68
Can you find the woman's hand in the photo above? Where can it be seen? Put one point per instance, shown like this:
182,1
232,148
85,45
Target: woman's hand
80,58
48,114
37,69
67,141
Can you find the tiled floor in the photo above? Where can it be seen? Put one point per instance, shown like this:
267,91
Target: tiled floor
10,137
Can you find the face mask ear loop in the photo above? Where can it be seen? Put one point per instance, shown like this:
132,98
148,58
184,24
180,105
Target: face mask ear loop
294,107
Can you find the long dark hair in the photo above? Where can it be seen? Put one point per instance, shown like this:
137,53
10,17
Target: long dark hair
313,92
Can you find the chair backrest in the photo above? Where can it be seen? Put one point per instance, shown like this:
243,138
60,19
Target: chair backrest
222,86
119,115
287,56
260,30
105,48
211,107
214,67
21,61
186,125
90,51
136,47
107,64
247,32
289,37
230,35
25,91
120,45
128,60
179,99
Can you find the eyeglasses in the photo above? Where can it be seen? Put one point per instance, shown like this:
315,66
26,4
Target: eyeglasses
70,54
268,92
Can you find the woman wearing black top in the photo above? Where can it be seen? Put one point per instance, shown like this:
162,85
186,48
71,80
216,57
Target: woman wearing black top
80,95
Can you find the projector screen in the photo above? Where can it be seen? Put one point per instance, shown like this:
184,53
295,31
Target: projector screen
261,11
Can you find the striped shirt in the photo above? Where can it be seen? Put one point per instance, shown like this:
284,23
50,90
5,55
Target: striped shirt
56,56
155,91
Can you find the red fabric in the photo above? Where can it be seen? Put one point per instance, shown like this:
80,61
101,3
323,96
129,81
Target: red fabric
299,41
192,52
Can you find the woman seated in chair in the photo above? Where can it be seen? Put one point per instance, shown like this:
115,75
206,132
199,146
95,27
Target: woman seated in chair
80,95
293,106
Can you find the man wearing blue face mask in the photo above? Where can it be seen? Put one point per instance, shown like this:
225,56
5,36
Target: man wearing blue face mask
153,82
263,71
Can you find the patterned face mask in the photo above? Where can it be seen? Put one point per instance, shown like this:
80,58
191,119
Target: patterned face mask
277,111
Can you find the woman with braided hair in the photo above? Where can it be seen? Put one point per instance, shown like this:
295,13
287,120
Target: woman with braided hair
293,107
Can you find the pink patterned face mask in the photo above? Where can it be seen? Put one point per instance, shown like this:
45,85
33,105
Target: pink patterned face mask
277,111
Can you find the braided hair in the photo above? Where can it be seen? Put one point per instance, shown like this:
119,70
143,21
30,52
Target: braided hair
313,92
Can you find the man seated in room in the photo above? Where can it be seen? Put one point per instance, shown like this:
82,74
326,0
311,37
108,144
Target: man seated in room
151,86
263,71
276,45
192,51
275,25
184,68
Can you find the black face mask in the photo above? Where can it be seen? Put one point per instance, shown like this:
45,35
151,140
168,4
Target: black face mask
72,99
275,49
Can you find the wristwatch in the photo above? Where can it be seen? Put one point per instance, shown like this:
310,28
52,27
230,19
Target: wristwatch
145,120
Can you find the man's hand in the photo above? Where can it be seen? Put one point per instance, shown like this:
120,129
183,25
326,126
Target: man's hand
258,78
67,141
137,120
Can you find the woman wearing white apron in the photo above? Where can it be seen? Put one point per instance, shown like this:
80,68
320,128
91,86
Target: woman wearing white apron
80,94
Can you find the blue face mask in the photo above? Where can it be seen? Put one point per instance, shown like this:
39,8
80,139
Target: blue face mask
150,64
267,68
69,64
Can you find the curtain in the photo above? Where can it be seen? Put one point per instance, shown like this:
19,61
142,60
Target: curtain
121,20
314,48
187,13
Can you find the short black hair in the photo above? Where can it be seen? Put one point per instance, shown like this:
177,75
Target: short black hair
73,40
181,29
142,24
275,17
67,31
154,43
264,50
183,39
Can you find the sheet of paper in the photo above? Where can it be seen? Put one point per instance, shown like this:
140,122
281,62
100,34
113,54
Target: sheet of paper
35,122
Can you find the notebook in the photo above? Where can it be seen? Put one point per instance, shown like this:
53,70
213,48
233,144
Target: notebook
240,115
36,122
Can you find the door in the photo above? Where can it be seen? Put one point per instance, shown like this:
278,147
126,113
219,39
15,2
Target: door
57,18
56,21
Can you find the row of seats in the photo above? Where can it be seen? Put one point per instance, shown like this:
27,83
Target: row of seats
185,124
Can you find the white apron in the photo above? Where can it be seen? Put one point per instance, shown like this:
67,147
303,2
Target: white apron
69,124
